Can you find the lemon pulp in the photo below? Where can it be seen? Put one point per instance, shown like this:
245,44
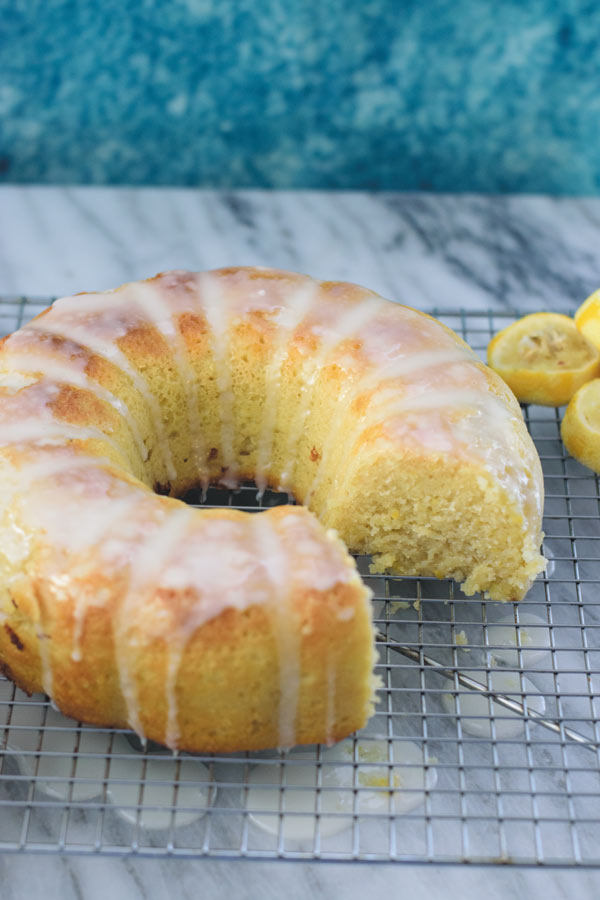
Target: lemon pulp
543,358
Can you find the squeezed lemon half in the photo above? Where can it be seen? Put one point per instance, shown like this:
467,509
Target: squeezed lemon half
580,429
543,358
587,319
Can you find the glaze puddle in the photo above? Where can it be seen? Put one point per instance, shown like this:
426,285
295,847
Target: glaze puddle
475,707
377,778
74,765
531,635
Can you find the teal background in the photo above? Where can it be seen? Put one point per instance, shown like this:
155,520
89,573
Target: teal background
436,95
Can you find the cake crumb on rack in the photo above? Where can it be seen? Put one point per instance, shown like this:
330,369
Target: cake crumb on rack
395,605
461,641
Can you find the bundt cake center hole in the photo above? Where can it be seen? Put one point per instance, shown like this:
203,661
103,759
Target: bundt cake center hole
246,497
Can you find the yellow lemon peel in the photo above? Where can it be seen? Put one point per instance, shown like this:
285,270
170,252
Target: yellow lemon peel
580,429
587,319
543,358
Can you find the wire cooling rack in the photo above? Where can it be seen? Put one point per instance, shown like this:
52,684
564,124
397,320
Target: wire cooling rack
442,773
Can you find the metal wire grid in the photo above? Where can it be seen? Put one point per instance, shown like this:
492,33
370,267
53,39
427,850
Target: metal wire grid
482,788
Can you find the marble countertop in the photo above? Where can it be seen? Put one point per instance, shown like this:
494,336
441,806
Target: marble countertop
429,251
423,249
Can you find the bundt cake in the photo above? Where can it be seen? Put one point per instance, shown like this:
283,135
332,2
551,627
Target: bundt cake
213,629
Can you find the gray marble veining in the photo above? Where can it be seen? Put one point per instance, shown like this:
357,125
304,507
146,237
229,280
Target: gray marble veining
96,879
422,249
428,251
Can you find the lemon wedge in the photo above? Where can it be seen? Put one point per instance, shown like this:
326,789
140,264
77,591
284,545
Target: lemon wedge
580,429
543,358
587,319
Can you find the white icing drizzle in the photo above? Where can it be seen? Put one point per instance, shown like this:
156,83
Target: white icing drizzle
45,661
483,431
274,560
61,322
15,381
346,327
79,615
54,433
213,298
36,469
146,567
172,727
290,317
396,367
104,519
149,298
453,398
29,473
67,373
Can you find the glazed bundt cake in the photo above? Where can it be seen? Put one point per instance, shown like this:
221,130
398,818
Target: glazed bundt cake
214,629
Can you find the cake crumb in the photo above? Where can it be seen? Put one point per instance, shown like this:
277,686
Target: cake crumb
395,605
461,641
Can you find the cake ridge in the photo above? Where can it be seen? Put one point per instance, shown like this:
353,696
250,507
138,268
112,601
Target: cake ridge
62,373
108,350
392,368
27,431
296,311
147,296
347,327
